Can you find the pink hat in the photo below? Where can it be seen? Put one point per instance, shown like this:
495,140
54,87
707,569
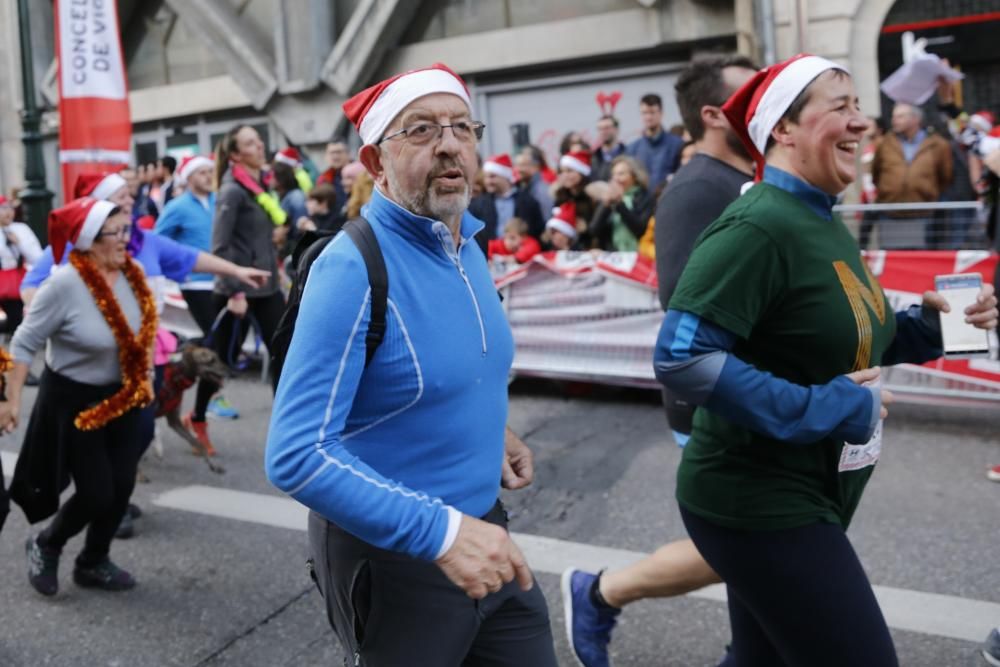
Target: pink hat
98,186
564,220
374,108
290,156
578,161
78,222
191,164
500,165
755,109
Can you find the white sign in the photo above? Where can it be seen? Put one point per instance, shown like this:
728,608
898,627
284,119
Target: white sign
90,57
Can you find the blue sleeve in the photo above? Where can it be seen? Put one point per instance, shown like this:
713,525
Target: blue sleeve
918,337
693,359
41,269
176,260
305,456
170,223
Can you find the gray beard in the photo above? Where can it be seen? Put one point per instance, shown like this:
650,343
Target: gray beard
427,202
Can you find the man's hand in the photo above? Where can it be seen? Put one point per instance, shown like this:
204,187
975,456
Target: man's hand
518,462
483,559
304,224
254,277
982,314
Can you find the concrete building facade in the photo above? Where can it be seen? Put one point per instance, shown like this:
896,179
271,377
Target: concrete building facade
536,68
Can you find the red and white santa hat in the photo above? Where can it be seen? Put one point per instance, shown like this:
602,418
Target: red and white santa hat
501,165
755,109
191,164
98,186
578,161
982,120
78,222
564,219
374,108
290,156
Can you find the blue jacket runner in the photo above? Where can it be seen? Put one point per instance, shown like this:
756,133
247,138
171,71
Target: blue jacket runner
395,453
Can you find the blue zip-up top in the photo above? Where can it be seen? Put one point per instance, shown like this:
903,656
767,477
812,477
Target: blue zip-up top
188,221
693,358
396,452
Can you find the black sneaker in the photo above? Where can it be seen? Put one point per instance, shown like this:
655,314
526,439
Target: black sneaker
31,380
126,528
133,511
105,575
43,568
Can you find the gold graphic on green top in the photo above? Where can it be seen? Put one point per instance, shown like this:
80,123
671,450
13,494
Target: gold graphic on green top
862,299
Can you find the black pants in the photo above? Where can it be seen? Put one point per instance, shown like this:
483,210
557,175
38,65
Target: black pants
147,415
102,464
266,309
797,597
14,309
390,609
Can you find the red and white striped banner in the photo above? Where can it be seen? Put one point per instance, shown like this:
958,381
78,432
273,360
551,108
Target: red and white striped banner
95,126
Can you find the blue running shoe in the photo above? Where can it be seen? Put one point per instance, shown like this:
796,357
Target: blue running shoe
221,408
588,627
991,649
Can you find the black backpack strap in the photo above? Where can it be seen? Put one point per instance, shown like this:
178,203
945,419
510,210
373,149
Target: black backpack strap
378,278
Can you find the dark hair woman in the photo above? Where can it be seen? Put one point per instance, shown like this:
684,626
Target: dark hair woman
571,186
777,330
248,221
98,319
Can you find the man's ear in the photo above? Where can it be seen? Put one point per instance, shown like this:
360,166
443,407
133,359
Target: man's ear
371,156
713,117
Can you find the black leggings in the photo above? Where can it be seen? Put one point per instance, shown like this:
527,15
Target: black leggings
797,597
201,305
266,309
102,464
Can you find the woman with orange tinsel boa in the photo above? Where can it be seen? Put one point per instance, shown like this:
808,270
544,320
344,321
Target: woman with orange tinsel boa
98,317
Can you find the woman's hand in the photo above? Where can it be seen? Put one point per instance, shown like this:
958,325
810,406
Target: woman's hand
237,305
982,314
304,224
254,277
868,377
9,411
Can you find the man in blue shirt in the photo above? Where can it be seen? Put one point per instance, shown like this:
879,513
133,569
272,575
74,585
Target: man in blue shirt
657,150
402,459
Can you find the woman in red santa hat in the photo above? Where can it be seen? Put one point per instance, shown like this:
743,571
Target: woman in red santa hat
778,329
98,319
572,186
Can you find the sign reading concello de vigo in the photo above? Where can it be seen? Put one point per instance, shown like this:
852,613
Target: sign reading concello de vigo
95,127
596,317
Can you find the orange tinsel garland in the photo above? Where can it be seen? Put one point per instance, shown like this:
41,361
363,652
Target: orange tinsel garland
133,350
6,361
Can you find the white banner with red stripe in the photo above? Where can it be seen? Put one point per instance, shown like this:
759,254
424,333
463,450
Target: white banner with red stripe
95,126
595,317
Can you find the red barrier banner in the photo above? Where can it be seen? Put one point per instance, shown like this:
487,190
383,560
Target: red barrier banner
95,126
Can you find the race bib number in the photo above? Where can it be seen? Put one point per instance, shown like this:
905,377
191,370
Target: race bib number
856,457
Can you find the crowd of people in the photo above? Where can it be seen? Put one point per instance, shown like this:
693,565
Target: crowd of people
402,538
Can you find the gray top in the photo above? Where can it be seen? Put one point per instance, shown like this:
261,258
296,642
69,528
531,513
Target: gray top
80,343
242,233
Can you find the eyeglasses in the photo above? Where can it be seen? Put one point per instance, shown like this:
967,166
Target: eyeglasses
122,232
421,134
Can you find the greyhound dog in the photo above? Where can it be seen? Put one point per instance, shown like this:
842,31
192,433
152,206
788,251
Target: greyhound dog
193,363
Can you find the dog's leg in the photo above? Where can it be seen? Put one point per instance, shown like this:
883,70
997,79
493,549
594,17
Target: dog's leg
175,423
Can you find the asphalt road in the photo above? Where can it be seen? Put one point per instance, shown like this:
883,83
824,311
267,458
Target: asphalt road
215,591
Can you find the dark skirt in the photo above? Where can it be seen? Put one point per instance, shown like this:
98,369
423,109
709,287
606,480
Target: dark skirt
42,474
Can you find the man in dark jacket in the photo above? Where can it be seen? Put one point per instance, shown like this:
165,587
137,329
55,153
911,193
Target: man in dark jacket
502,201
610,148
